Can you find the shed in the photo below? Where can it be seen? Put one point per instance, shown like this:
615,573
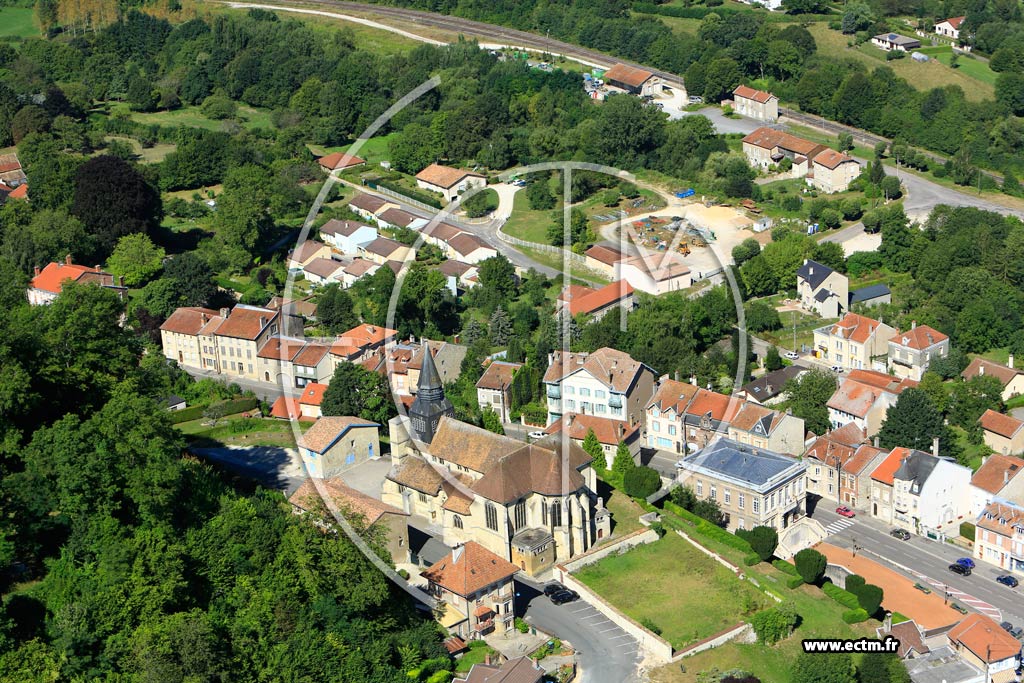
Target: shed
919,57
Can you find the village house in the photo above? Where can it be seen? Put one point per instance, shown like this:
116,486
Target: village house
440,234
470,248
993,481
580,300
999,536
339,161
447,181
323,271
360,341
1002,433
911,352
274,360
854,343
460,276
683,418
863,398
755,104
872,295
833,171
494,388
384,249
518,670
605,383
604,260
752,486
297,308
950,28
392,218
633,80
767,147
47,283
359,509
769,388
476,589
882,495
931,495
531,504
11,173
839,465
310,399
894,41
656,273
334,445
306,253
909,634
822,290
179,335
1011,377
227,341
357,269
610,433
762,427
404,361
368,206
347,237
981,642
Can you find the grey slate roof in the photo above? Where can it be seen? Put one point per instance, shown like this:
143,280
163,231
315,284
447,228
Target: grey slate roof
819,275
916,468
822,295
868,293
754,467
770,384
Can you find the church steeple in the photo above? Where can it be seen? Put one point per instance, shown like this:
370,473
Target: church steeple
431,402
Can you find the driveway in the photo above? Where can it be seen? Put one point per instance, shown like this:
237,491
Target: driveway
605,653
274,467
506,195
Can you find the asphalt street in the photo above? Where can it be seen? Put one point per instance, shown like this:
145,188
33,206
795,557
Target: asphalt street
927,562
605,653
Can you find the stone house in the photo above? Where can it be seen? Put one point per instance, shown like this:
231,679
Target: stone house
1002,433
605,383
911,352
822,290
476,589
755,104
447,181
854,343
336,444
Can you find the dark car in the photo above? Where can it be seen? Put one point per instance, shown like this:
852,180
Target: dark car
960,569
1017,632
958,608
553,588
1006,626
966,562
901,534
562,597
1007,580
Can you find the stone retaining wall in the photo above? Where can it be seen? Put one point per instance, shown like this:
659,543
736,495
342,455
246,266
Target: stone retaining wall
714,641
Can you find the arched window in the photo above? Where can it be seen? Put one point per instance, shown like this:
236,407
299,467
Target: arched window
491,513
457,521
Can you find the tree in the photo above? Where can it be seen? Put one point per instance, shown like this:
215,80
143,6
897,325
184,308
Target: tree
113,200
808,396
684,497
772,360
136,258
816,668
538,194
641,482
358,392
761,316
745,250
218,108
500,327
805,6
764,540
243,214
335,310
913,422
594,448
481,204
933,385
857,17
845,142
773,625
623,461
192,278
869,597
491,420
810,564
891,187
29,119
877,667
966,401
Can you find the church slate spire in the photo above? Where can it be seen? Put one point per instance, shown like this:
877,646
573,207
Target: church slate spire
431,402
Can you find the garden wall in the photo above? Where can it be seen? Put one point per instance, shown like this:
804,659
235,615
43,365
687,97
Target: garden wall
715,556
740,630
638,537
837,573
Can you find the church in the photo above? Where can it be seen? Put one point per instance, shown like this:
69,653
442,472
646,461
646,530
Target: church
532,504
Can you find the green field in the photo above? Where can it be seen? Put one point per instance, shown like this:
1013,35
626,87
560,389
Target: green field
243,431
18,22
966,64
688,595
806,323
147,155
526,223
249,117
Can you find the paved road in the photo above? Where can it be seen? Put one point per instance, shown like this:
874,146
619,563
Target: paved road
928,562
274,467
265,391
605,653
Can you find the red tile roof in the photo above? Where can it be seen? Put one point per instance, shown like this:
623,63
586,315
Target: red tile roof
349,500
368,202
498,375
997,423
277,348
311,355
444,176
340,160
831,158
610,366
609,432
575,292
188,320
312,394
769,138
673,395
984,638
246,322
602,298
360,338
861,459
887,468
881,380
980,366
855,327
54,275
749,93
603,254
465,244
1005,520
920,337
20,192
286,408
469,569
627,75
996,472
955,22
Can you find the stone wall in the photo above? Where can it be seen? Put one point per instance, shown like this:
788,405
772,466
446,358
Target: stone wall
738,631
638,537
837,573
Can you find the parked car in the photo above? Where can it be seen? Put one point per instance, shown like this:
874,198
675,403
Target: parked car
695,99
1007,580
1017,632
792,355
536,435
837,369
553,588
901,534
960,569
958,608
844,511
966,561
1006,626
562,597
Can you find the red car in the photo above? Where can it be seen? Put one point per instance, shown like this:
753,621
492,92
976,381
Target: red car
844,511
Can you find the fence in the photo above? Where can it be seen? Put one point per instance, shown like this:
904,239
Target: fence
721,638
546,248
405,199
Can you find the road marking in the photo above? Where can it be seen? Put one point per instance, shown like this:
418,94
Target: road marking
838,526
613,628
624,635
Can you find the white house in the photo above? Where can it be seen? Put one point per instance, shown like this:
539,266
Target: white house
335,444
931,495
447,181
470,248
605,383
992,480
655,274
755,104
322,271
894,41
833,171
950,28
397,218
348,237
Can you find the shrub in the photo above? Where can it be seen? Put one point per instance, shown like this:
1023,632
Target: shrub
404,574
843,597
772,625
764,540
811,564
217,107
187,414
854,582
706,528
870,598
658,528
641,482
786,567
794,582
855,616
967,530
521,625
751,560
650,626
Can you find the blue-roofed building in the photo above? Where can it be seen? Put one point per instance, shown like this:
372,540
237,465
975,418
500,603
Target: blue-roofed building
871,296
752,486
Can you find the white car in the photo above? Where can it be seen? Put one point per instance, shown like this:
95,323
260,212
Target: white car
792,355
837,369
536,435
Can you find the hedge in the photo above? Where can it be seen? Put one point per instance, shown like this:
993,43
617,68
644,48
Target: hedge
855,616
724,12
898,618
787,567
751,560
406,192
230,406
794,582
967,530
843,597
710,530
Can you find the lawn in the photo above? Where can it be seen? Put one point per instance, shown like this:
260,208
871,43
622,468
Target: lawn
243,431
477,653
921,76
685,593
806,323
973,453
249,117
526,223
18,22
147,155
975,68
625,512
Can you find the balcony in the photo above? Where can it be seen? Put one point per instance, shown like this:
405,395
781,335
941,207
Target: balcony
615,400
554,391
504,596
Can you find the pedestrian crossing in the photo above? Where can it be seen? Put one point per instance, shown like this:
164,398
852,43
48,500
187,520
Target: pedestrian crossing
837,526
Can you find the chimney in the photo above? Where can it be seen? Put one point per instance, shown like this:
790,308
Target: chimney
571,417
371,329
913,324
36,269
1006,477
225,312
1009,361
487,659
67,260
981,368
864,433
203,318
810,270
622,432
457,553
120,280
876,442
935,446
693,380
983,459
96,267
